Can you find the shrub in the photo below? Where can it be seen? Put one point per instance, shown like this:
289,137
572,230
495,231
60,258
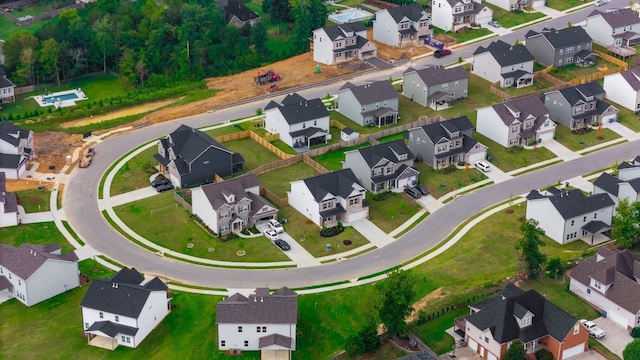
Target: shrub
382,195
635,332
554,267
544,354
332,231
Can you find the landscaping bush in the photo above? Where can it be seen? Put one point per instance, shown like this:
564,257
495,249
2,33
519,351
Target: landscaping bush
544,354
382,195
447,170
332,231
554,267
515,149
635,332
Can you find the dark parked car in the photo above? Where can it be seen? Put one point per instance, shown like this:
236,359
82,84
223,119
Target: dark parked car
282,244
423,190
160,181
164,187
441,52
413,192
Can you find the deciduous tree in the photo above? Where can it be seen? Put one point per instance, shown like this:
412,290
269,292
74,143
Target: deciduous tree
625,224
49,58
516,351
365,341
632,350
530,244
396,297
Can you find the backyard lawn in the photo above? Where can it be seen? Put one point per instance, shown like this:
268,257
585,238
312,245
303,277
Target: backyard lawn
440,183
135,173
573,71
254,154
579,142
34,200
278,180
38,233
508,160
538,84
333,160
223,130
173,229
510,19
390,213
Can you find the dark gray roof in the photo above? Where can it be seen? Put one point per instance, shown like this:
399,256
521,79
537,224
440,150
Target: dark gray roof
413,12
371,92
11,133
608,183
579,93
467,144
216,192
632,76
529,105
308,132
439,130
574,203
348,131
438,75
618,268
9,200
239,10
5,83
497,315
337,183
126,298
564,37
10,161
275,339
389,151
259,308
596,227
112,329
296,109
618,18
344,30
506,54
26,259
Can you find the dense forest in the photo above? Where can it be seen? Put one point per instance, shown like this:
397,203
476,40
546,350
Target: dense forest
154,43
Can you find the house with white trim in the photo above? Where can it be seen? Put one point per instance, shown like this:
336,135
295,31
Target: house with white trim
340,43
623,185
370,104
403,25
508,65
9,216
580,106
7,94
616,29
624,88
16,149
436,87
452,15
299,122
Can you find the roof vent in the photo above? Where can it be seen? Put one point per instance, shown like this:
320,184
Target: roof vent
261,299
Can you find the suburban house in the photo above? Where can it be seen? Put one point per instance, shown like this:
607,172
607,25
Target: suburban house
299,122
436,86
402,25
618,30
516,122
493,325
502,63
260,321
447,142
9,201
370,104
7,88
189,157
386,166
580,106
16,149
123,309
339,43
609,282
570,45
238,14
34,273
568,215
452,15
624,88
231,205
626,185
517,5
330,198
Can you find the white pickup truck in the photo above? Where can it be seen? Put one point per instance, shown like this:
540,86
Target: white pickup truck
593,329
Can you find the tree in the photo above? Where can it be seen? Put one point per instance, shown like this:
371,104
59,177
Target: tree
529,245
259,38
624,224
516,351
632,350
365,341
279,11
396,296
49,54
141,70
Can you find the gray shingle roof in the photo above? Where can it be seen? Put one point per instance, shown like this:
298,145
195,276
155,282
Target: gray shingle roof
239,10
506,54
579,93
572,203
413,12
439,130
296,109
608,183
564,37
344,30
112,329
618,18
9,200
11,133
280,307
338,183
26,259
189,143
275,339
529,105
5,83
422,355
438,75
389,151
371,92
632,76
215,192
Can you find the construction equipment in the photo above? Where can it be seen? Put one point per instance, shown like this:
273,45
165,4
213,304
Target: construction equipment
273,87
265,77
86,159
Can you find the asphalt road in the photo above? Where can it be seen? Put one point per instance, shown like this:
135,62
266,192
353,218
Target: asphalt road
81,209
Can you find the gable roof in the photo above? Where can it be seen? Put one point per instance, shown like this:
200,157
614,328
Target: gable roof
189,143
11,133
296,109
442,129
506,54
617,18
280,307
632,77
371,92
342,30
112,329
275,339
499,316
5,83
578,93
338,183
239,10
574,203
412,12
216,192
26,259
390,151
526,106
9,200
608,183
439,75
563,37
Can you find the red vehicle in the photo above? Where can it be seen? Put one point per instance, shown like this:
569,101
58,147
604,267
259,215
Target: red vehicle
441,52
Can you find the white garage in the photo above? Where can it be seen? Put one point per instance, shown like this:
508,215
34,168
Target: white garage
538,3
490,356
572,351
477,157
617,317
473,345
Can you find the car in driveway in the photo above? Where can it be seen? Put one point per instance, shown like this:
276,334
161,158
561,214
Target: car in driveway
481,165
599,2
271,235
423,190
276,226
441,53
164,187
413,192
160,181
494,23
593,329
283,245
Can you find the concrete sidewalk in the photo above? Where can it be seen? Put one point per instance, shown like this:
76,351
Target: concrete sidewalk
496,175
371,232
560,150
298,253
553,13
32,218
125,198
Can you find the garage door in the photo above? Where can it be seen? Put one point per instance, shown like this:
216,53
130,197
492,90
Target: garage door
473,345
547,135
578,349
357,216
175,180
609,119
538,3
617,317
477,157
490,356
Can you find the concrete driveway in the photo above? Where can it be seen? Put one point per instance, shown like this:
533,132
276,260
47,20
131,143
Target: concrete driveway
588,355
297,253
617,337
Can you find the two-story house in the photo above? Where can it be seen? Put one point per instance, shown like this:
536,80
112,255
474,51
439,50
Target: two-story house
447,142
7,94
516,122
452,15
618,30
624,185
8,204
580,106
123,309
386,166
493,325
299,122
238,14
517,5
623,88
609,282
330,198
339,43
559,48
189,157
260,321
502,63
568,215
231,205
436,86
402,25
34,273
16,149
370,104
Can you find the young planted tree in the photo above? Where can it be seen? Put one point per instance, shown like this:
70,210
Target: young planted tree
396,298
624,224
530,244
516,351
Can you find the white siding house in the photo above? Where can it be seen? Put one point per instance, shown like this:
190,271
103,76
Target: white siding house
299,122
340,43
504,63
16,149
615,29
402,25
451,15
7,94
624,88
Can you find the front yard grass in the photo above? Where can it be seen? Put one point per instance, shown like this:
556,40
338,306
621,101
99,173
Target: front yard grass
173,229
564,4
467,35
538,84
508,160
333,160
627,118
440,183
278,180
254,154
34,200
509,19
392,212
580,142
572,71
38,233
135,173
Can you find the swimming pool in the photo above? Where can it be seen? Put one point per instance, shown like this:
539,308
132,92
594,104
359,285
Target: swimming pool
54,98
61,99
349,15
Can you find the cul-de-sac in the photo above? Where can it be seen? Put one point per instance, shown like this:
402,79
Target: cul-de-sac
320,179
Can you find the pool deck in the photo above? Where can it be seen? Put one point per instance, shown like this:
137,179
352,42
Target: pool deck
349,15
61,103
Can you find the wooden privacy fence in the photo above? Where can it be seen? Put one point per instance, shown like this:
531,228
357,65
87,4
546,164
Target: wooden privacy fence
611,59
24,89
592,77
273,197
260,140
275,165
233,136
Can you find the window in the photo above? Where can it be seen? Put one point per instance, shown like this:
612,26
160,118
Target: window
588,291
19,282
597,285
258,328
123,338
526,321
456,83
445,86
569,50
224,214
354,201
128,340
223,343
101,315
264,329
315,122
246,343
239,328
117,318
561,51
486,339
584,219
572,222
304,125
576,329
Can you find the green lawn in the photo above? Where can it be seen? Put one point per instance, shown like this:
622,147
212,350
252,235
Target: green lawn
224,130
392,212
7,27
572,71
254,154
173,229
278,180
510,19
627,118
333,159
34,200
284,147
538,84
135,173
579,142
467,35
407,112
393,137
434,179
506,160
38,233
433,332
557,291
93,269
564,4
40,8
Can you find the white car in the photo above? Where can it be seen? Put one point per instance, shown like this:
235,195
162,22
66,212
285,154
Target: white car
276,226
494,23
593,329
271,235
483,166
599,2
